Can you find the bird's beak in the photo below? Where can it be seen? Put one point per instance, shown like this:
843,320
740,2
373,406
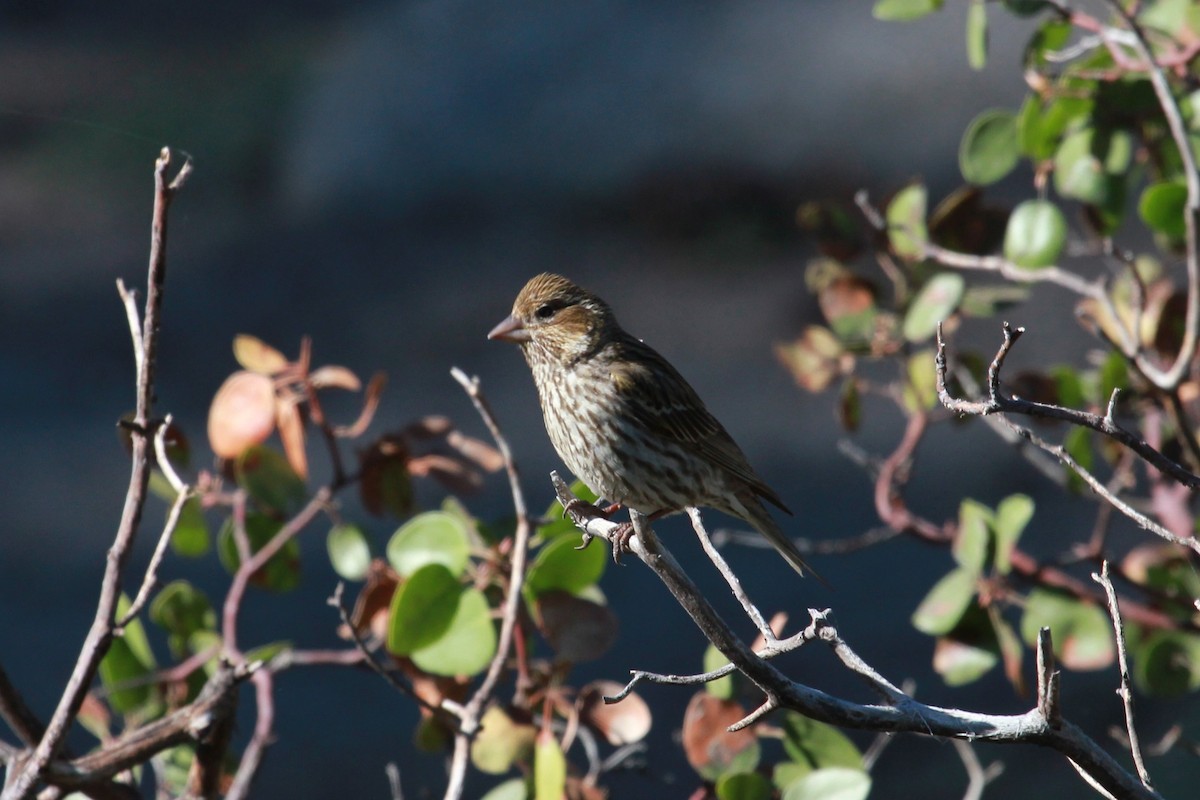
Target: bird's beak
510,330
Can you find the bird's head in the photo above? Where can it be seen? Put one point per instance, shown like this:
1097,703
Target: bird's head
556,318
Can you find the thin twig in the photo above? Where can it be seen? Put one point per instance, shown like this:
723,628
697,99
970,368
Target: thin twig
977,776
99,636
393,775
1123,690
472,710
734,582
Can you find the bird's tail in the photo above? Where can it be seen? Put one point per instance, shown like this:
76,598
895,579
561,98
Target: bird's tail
753,511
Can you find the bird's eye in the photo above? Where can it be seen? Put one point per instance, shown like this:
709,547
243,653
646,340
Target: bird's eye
546,311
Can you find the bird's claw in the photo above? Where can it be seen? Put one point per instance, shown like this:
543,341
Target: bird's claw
620,541
586,539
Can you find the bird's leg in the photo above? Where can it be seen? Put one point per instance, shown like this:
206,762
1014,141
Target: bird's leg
585,509
624,532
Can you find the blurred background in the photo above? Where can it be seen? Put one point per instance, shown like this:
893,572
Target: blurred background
384,177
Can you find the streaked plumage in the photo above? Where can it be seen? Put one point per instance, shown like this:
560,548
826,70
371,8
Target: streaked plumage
624,420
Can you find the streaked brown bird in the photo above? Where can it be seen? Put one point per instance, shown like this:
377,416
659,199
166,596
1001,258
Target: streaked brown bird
624,420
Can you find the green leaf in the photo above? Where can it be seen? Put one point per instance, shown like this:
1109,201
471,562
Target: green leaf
1082,632
971,546
817,744
181,609
1012,515
559,565
920,391
468,644
1036,234
960,662
270,481
281,573
549,769
977,35
1025,8
906,222
834,783
512,789
936,301
434,537
1162,207
1087,163
422,609
785,773
721,688
349,551
946,602
501,742
127,663
1167,663
190,538
743,786
989,148
562,524
904,10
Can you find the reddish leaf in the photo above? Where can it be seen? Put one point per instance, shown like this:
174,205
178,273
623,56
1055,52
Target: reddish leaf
370,612
619,723
291,431
242,414
707,743
334,377
384,483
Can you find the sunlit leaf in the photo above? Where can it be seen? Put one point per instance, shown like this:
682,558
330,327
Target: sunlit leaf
1162,207
743,786
817,744
1036,234
722,688
906,222
1012,515
349,551
242,414
977,35
620,723
127,663
559,565
468,644
191,538
936,301
815,359
904,10
257,356
972,544
434,537
946,602
501,742
422,609
960,663
834,783
920,391
512,789
549,768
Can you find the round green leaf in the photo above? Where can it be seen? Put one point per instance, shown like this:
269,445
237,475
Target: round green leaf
920,392
743,786
549,769
933,304
349,551
1088,163
1167,663
946,603
434,537
422,609
128,661
818,745
468,644
181,609
1162,207
512,789
270,481
834,783
559,565
989,148
907,228
1036,234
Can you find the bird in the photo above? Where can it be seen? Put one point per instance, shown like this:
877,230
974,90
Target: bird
624,420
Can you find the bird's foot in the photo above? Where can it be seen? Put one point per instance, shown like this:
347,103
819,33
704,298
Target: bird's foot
582,508
620,541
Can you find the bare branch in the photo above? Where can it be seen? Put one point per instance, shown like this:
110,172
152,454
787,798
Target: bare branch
474,707
735,584
99,636
1123,691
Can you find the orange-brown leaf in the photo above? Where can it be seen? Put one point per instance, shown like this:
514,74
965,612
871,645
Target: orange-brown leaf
242,414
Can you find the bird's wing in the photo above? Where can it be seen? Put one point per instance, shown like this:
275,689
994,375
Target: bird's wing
668,405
